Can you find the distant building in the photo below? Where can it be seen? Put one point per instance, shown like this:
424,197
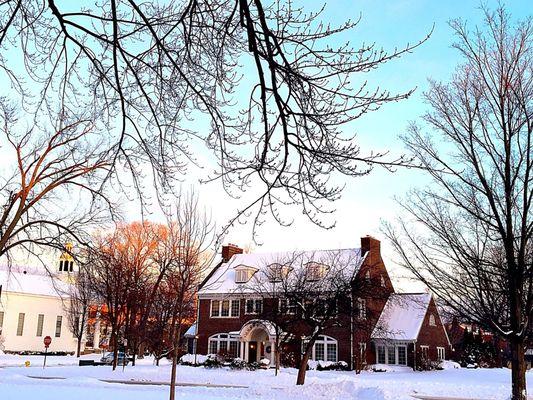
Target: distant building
406,329
33,305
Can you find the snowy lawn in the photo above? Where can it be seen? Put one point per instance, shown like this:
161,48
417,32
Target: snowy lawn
82,383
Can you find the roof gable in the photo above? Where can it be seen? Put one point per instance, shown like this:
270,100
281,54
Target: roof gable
402,317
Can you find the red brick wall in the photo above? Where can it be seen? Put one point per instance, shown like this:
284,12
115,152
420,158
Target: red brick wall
433,336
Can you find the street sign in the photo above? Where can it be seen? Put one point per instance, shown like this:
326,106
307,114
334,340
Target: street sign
47,340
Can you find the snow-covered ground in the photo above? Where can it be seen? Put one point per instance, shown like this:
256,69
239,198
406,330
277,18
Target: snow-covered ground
83,383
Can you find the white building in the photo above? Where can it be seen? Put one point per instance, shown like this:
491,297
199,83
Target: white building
32,306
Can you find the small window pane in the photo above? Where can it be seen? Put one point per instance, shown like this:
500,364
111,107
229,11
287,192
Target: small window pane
213,347
235,305
381,354
391,355
402,355
249,306
258,306
233,348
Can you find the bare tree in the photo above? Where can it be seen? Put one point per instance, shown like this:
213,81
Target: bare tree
80,299
185,254
47,166
468,237
146,69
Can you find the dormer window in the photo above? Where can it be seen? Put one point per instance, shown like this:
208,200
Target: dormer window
315,271
367,276
278,272
243,273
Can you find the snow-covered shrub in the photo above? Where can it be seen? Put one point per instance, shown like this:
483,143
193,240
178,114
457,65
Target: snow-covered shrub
264,363
447,364
253,366
312,364
188,359
213,361
238,363
332,366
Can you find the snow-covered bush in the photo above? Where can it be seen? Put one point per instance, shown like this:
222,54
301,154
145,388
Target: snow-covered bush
264,363
332,366
253,366
238,363
447,364
213,361
188,359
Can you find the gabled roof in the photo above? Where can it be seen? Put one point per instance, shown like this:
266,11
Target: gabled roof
222,278
40,284
402,317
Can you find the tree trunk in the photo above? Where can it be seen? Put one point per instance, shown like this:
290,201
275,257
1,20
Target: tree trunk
303,367
78,348
518,370
278,359
115,350
176,339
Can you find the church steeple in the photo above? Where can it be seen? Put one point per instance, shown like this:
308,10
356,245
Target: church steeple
66,261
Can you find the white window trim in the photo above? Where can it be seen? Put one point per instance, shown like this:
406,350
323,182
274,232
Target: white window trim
220,308
287,307
361,308
218,339
432,320
325,340
422,348
396,354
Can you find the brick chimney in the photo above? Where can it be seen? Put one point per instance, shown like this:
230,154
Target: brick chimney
369,243
229,251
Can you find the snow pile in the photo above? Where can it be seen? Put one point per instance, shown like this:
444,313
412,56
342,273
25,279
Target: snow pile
389,368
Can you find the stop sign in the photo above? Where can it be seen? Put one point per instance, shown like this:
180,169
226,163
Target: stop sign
47,341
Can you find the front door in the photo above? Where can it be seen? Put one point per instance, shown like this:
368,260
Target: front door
252,352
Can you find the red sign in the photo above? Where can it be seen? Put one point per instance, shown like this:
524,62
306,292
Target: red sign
47,341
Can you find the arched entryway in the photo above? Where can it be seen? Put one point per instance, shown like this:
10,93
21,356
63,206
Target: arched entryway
258,340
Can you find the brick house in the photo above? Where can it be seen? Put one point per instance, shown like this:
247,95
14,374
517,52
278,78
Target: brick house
391,328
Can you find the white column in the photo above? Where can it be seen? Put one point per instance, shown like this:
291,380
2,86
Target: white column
241,349
246,344
272,353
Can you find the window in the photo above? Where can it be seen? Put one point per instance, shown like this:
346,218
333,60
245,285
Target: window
60,265
367,276
243,274
215,308
225,308
223,343
432,320
59,321
254,306
288,306
315,271
424,352
20,324
402,355
325,349
1,321
441,354
361,308
391,355
382,281
40,323
277,272
381,354
362,352
71,266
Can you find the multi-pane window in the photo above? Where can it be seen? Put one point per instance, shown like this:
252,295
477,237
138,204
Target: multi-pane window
367,276
362,352
20,324
325,349
381,354
315,271
361,308
440,353
1,321
432,320
382,281
424,352
40,323
391,355
402,355
225,308
223,343
215,308
288,306
254,306
59,321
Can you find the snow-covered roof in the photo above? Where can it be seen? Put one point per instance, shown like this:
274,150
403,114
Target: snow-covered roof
42,284
402,317
222,280
191,332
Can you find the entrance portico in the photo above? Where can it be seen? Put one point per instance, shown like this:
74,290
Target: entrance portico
257,340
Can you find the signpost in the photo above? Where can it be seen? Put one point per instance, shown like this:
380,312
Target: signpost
47,340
